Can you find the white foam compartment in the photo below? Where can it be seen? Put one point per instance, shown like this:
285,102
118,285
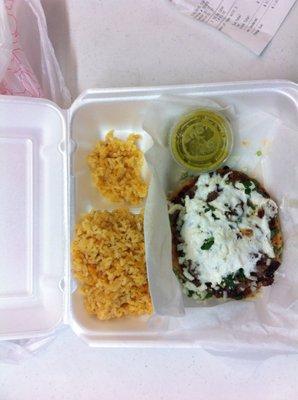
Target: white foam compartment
98,111
33,233
89,123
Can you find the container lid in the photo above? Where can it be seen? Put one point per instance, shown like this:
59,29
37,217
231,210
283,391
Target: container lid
33,216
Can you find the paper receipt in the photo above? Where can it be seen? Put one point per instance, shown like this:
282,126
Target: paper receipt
252,23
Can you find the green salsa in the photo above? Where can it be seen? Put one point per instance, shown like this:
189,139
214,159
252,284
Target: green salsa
201,141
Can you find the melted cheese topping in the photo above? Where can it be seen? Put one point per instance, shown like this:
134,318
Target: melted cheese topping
226,234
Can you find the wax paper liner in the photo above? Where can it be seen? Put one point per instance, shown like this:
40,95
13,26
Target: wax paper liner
265,148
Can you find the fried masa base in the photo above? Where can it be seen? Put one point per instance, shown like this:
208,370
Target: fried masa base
238,286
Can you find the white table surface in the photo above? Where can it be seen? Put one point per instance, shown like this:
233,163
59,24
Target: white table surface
108,43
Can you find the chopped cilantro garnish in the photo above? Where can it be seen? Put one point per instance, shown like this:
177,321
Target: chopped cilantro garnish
209,208
214,217
247,185
208,295
259,153
240,274
229,282
251,205
208,243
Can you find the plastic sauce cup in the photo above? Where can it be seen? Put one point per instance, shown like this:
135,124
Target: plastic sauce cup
202,140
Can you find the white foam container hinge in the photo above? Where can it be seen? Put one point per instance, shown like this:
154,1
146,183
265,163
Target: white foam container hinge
45,186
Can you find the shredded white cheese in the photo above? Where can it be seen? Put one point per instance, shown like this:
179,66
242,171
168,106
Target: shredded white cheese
226,234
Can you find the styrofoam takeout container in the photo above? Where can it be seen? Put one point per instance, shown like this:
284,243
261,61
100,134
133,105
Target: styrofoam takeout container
45,186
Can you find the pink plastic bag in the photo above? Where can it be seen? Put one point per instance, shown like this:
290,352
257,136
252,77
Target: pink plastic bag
28,63
28,67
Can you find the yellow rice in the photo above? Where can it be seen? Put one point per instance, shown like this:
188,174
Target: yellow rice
116,166
108,255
